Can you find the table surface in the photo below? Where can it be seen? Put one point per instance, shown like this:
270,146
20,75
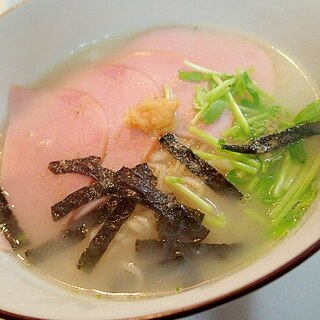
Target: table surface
295,296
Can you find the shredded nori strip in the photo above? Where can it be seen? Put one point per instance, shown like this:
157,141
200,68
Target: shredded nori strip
276,140
95,191
92,218
182,221
202,169
77,199
88,166
75,232
9,225
101,241
79,165
177,250
106,183
137,185
145,172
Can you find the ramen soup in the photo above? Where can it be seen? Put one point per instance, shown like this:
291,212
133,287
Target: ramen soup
158,162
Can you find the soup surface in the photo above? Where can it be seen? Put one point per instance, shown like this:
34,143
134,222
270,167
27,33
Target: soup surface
114,100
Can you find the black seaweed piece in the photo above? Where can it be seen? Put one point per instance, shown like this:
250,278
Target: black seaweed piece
145,172
75,232
79,165
9,225
183,223
167,230
276,140
77,199
93,217
88,166
106,183
101,241
177,250
202,169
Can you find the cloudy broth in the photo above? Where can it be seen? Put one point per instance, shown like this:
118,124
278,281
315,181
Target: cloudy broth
124,271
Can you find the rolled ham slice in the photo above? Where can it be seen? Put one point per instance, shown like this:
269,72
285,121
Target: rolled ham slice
45,126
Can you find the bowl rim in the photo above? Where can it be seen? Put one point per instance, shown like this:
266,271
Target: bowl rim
200,307
193,309
12,7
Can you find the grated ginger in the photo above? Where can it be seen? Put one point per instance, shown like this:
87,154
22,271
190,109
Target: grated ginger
153,115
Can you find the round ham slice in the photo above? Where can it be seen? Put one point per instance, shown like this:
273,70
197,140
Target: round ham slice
162,67
219,51
45,126
118,88
86,118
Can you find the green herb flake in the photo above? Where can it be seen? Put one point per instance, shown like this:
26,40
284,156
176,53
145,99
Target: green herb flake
283,179
297,152
214,111
21,238
192,76
310,113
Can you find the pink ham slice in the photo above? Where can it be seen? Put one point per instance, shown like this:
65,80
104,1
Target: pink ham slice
163,68
118,88
46,126
219,51
161,54
68,123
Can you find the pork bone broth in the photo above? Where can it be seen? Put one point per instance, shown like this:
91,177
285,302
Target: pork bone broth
89,224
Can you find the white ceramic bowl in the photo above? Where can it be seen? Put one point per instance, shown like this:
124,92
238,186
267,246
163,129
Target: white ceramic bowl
40,33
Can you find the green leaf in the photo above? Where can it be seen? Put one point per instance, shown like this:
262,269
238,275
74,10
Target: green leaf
237,177
193,76
239,87
214,111
219,91
310,113
247,103
269,120
178,289
248,92
294,216
297,152
200,101
277,189
211,96
296,191
252,88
